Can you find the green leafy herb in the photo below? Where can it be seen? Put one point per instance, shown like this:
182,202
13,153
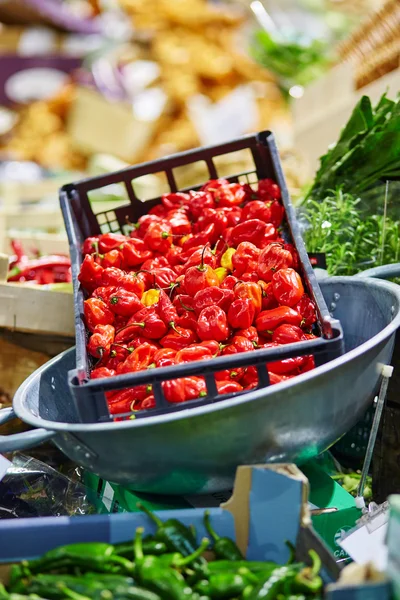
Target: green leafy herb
368,150
292,61
351,240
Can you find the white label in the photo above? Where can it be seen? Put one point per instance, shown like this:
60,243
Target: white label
108,495
365,546
4,466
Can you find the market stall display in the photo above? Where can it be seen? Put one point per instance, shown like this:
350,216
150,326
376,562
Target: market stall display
204,338
233,541
168,564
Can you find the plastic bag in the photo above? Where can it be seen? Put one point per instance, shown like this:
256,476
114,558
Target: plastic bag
31,488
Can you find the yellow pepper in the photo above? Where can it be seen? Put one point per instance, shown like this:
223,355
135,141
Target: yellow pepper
184,239
226,259
150,297
221,273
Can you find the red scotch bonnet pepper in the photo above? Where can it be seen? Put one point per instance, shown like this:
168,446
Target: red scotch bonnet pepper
204,274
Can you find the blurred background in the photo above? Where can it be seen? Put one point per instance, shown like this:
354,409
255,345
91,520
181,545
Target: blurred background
90,86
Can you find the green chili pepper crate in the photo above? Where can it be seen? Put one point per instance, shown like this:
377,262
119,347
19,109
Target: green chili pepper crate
268,507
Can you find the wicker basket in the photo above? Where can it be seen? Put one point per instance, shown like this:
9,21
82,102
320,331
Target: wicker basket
374,47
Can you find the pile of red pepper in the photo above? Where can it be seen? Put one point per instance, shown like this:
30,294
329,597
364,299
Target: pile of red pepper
40,270
205,273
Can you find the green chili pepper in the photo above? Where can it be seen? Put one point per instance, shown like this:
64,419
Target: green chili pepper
247,592
270,588
131,593
17,572
253,566
175,535
251,578
149,573
224,547
71,594
22,597
3,592
222,585
178,561
150,546
90,584
308,580
95,556
292,552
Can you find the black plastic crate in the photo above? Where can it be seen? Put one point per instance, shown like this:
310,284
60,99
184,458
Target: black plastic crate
81,222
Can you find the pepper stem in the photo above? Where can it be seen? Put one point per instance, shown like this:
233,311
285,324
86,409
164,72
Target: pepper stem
129,349
182,562
130,224
292,552
316,563
201,267
95,245
220,239
137,542
189,308
171,287
100,351
173,326
209,528
150,514
71,594
124,562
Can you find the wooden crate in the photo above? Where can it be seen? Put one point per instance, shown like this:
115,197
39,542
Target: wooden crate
374,47
25,217
36,310
21,210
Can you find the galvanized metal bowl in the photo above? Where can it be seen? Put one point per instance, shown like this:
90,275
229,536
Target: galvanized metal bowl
197,451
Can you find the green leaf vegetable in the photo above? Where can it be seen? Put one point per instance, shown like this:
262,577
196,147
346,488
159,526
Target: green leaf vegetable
351,240
292,61
368,150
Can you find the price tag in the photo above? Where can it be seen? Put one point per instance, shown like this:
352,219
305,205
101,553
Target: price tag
367,542
4,466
